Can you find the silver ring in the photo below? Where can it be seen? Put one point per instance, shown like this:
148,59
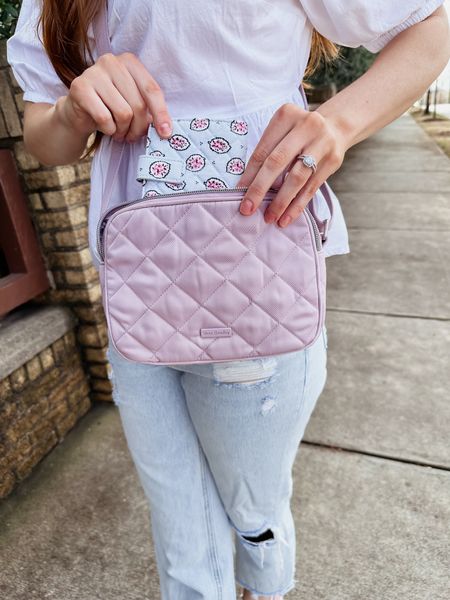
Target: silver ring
308,160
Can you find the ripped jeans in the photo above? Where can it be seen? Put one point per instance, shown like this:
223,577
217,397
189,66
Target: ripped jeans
214,445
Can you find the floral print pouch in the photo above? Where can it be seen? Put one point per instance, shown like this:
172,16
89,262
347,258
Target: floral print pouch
201,153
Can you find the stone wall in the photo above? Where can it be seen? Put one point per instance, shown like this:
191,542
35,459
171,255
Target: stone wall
58,201
40,401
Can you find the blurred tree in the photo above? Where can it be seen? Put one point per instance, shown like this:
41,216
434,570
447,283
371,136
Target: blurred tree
350,65
9,11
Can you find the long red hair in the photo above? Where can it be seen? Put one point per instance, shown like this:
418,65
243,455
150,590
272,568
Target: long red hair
64,36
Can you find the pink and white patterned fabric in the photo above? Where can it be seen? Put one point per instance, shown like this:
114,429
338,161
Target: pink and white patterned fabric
201,153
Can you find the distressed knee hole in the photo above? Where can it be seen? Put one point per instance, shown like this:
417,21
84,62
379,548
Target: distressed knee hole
265,543
262,537
245,372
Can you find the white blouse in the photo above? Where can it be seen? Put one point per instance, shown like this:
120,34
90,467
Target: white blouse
221,58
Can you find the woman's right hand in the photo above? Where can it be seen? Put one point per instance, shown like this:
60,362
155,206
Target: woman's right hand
118,96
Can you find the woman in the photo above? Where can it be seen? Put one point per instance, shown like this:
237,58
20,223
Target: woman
214,444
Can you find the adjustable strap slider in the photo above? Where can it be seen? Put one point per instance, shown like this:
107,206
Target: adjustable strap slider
160,168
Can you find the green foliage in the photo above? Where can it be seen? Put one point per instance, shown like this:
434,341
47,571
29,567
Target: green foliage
9,11
351,64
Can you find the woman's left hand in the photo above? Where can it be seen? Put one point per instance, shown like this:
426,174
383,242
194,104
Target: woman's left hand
290,132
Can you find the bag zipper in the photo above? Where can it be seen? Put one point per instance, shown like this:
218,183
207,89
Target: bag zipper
103,221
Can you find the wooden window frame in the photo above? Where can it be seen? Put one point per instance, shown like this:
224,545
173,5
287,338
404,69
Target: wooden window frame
27,275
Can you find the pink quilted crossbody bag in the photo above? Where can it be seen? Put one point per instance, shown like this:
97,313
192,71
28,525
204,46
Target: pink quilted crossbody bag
186,278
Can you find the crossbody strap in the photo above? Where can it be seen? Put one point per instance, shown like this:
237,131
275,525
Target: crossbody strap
324,188
103,43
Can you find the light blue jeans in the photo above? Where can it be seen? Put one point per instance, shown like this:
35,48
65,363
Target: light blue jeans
214,445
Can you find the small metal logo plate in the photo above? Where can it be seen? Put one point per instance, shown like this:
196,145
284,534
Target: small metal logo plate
216,332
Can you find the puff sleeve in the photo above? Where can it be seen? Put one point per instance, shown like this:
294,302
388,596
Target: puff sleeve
29,61
368,23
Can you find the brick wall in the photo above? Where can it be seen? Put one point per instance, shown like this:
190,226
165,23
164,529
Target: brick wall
58,201
39,403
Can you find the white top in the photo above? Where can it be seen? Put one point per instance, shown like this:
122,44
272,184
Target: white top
222,58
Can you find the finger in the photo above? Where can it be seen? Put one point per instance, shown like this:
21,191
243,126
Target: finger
152,94
281,156
281,122
298,176
86,97
127,87
329,164
304,196
120,109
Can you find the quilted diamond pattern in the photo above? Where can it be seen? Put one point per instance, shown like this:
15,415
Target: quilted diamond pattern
176,267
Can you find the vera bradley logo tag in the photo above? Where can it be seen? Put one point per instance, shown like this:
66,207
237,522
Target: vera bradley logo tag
216,332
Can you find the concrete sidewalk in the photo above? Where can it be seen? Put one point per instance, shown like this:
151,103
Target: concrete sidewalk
372,480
